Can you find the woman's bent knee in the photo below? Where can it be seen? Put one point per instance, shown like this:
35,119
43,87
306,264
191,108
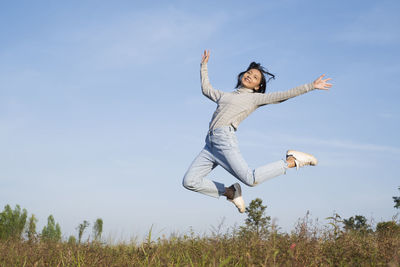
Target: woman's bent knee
189,183
247,178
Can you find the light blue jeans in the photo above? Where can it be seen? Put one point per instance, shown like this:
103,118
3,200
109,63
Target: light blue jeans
222,149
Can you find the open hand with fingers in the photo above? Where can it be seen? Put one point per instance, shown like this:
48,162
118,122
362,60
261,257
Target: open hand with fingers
321,83
205,57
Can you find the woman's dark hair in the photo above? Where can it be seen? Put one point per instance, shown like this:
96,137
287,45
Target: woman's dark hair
263,82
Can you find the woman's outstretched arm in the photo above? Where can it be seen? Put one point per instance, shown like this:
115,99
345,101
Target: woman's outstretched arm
206,87
278,97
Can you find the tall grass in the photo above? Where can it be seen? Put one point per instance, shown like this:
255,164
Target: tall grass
307,245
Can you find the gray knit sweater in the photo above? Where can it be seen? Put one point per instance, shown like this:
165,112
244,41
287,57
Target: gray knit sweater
234,107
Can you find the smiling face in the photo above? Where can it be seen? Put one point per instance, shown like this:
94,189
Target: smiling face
251,79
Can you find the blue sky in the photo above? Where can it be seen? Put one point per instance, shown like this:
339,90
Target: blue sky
101,111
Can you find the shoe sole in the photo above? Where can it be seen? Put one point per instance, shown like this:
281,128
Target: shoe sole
313,160
239,192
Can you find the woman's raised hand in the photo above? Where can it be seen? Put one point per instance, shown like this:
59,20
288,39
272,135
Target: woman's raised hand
205,57
322,84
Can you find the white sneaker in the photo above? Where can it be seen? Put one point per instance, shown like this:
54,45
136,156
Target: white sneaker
238,199
302,159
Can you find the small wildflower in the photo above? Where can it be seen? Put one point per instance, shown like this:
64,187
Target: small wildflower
292,246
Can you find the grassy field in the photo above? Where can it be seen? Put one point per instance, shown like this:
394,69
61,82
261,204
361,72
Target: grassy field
259,242
307,245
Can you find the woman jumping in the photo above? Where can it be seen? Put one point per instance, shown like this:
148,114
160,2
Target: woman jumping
221,146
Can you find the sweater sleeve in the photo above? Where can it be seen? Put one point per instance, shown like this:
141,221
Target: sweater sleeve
206,87
278,97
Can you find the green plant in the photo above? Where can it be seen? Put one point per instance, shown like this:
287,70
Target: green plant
12,222
257,223
335,222
71,240
31,229
81,228
356,223
52,231
390,227
397,201
98,229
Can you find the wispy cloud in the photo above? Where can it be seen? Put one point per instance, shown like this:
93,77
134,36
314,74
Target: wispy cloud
144,37
139,38
388,115
349,144
314,141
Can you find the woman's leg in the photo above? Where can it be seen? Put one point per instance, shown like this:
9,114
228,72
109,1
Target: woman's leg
195,180
232,160
227,154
